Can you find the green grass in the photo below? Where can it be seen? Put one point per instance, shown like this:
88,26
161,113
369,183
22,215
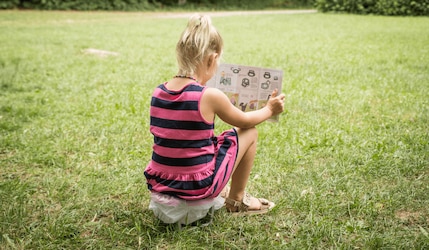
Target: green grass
347,165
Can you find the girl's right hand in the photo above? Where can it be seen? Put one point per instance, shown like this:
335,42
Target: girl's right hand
276,102
215,102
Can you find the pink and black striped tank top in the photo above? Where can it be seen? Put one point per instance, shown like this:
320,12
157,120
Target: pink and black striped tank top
183,151
180,132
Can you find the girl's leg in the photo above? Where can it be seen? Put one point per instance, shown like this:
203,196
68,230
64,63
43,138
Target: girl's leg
247,140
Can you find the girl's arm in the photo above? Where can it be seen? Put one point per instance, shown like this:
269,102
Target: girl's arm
216,102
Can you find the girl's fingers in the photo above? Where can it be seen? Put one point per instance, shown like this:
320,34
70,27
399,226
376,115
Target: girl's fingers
274,94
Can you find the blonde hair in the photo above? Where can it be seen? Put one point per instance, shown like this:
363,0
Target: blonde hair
198,40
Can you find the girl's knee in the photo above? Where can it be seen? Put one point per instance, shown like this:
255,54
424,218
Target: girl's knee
254,132
248,132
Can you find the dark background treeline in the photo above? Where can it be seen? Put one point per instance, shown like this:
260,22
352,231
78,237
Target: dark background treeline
141,5
378,7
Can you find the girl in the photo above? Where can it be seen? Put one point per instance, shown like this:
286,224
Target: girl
188,161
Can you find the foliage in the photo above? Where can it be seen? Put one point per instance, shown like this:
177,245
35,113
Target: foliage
150,4
380,7
9,4
78,4
347,164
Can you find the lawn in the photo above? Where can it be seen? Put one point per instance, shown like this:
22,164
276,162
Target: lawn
347,164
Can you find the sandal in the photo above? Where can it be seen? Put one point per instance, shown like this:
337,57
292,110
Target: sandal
242,207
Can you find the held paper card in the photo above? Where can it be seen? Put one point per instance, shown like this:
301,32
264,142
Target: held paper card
247,87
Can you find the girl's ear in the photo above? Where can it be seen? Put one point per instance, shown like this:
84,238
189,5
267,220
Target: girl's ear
212,60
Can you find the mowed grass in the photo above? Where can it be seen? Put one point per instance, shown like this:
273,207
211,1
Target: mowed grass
347,165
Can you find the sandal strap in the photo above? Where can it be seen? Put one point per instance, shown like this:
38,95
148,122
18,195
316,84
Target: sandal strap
242,206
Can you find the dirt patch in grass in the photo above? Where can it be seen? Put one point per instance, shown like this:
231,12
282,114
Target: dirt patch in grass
410,216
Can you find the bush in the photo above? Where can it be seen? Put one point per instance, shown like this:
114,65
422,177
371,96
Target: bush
9,4
380,7
76,4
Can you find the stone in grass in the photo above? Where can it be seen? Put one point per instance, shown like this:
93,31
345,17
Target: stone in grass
99,53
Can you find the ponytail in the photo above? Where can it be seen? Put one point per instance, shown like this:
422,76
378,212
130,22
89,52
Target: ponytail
198,40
